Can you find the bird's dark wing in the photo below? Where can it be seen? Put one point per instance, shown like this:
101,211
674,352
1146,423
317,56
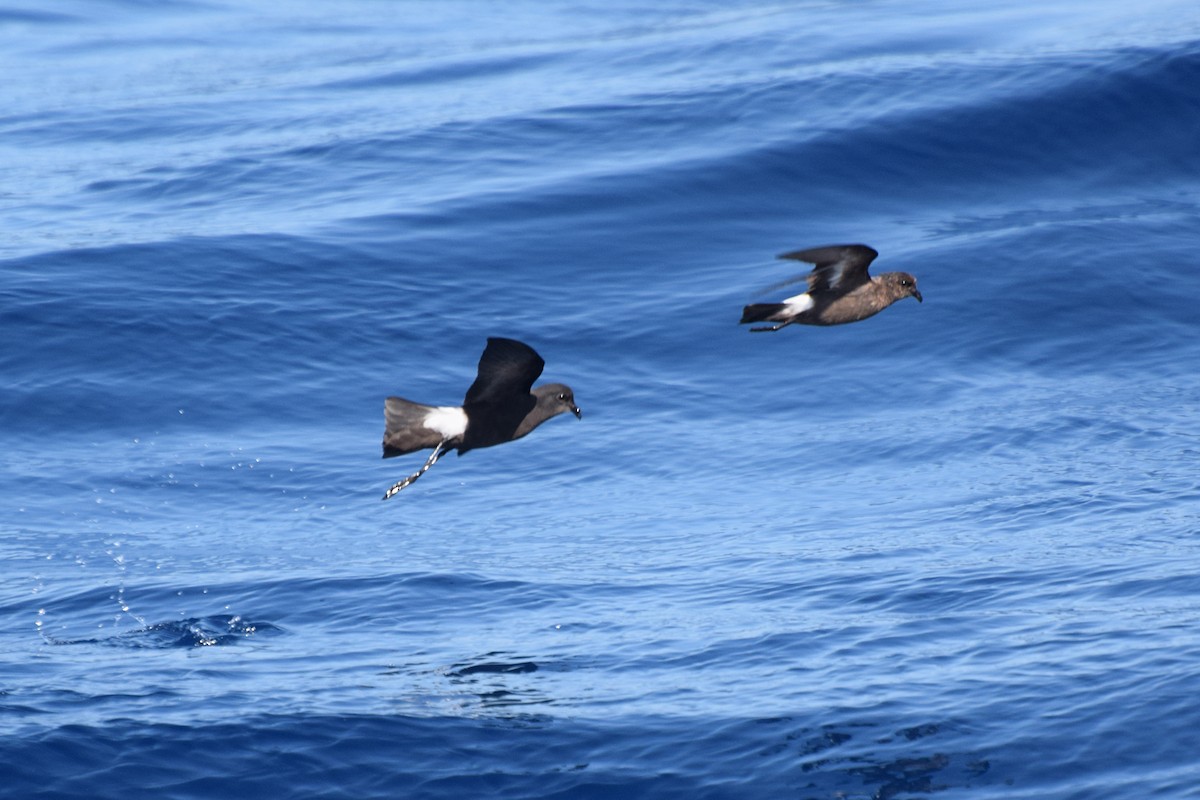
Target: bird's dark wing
507,370
839,267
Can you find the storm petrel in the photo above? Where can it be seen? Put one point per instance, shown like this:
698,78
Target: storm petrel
839,290
499,407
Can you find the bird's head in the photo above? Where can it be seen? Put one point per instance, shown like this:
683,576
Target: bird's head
902,285
556,398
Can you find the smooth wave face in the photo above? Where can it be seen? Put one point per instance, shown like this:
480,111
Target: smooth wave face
948,550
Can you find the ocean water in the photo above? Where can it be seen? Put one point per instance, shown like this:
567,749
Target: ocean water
948,551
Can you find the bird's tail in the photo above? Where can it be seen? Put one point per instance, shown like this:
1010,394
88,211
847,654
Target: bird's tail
762,312
404,430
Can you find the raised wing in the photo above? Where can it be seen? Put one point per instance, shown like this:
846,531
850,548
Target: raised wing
839,267
507,370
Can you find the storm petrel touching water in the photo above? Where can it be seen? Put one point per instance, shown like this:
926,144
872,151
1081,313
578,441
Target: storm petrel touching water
499,407
839,290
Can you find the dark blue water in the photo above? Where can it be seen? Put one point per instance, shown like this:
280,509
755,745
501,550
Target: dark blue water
951,550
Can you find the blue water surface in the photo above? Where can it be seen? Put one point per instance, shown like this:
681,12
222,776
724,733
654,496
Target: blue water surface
948,551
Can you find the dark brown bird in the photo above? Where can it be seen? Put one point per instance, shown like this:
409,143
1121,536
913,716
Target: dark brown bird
839,290
499,407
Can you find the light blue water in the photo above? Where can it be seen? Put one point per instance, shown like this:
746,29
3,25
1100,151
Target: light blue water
949,550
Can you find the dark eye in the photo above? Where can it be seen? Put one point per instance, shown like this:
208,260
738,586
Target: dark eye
562,397
905,282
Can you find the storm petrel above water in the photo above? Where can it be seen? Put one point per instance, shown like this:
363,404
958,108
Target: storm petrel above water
839,290
499,407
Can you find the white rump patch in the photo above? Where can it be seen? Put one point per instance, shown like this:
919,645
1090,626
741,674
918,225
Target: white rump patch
799,303
449,421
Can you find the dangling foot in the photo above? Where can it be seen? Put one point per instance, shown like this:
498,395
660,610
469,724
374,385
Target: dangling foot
437,451
771,327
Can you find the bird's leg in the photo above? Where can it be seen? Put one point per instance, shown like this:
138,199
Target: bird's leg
437,451
771,327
